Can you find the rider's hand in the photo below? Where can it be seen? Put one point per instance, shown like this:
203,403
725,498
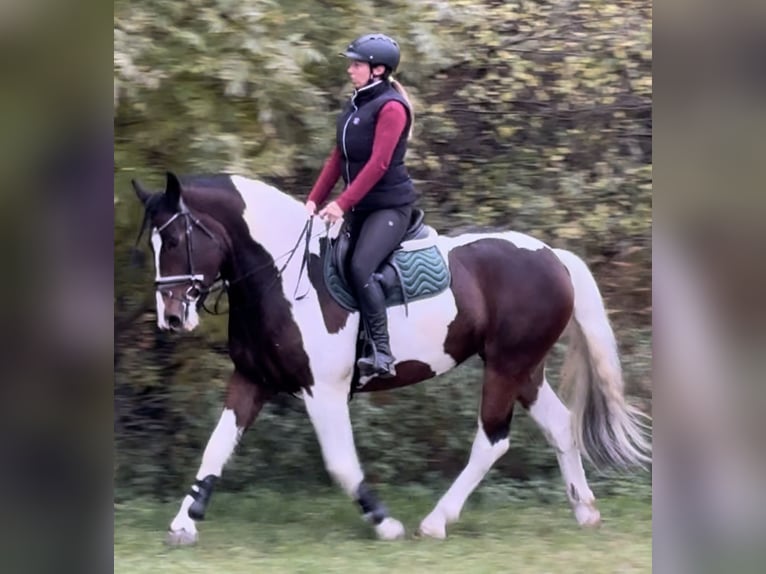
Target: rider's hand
311,207
332,212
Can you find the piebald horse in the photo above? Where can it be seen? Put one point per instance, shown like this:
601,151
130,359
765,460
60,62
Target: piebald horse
510,298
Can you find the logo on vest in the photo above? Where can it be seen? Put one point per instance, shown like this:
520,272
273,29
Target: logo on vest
355,121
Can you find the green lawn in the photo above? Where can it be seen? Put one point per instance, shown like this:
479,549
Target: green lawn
265,531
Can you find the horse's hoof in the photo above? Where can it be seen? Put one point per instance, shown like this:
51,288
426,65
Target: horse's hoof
181,537
390,529
432,527
588,516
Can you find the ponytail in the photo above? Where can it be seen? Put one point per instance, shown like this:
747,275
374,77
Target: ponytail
399,88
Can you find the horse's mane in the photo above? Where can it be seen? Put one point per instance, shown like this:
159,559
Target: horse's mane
219,181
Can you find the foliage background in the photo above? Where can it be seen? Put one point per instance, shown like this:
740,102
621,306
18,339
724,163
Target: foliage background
530,115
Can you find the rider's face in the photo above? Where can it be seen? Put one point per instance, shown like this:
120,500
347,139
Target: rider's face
358,73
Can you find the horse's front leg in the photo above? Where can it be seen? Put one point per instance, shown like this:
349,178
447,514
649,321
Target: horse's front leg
244,400
328,410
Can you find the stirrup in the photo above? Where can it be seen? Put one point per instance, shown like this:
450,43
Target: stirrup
368,367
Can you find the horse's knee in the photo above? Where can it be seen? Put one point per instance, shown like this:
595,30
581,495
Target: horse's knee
495,430
486,450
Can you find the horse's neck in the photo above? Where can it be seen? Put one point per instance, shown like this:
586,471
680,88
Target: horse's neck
275,221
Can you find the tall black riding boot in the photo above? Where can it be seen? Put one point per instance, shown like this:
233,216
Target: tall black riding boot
379,362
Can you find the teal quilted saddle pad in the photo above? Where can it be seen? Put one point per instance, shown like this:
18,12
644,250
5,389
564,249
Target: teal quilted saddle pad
406,276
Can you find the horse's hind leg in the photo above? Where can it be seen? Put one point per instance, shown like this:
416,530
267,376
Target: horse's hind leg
498,396
555,420
243,403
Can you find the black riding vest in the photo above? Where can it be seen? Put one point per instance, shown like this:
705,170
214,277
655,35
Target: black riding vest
355,135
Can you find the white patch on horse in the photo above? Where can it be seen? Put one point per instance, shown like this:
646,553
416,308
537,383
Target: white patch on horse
419,333
191,317
483,455
390,529
157,247
221,445
555,421
274,219
520,240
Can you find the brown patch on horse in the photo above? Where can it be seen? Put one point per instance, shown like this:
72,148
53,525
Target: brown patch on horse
465,333
407,373
513,304
498,395
265,343
334,315
530,389
245,398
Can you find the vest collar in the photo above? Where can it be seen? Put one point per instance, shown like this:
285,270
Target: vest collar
369,92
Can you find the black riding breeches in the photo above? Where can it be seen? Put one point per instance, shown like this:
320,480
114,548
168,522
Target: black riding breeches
374,236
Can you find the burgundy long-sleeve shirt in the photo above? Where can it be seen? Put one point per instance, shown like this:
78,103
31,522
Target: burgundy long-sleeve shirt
392,119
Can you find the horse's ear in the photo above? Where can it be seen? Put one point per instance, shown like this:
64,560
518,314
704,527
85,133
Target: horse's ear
142,193
172,188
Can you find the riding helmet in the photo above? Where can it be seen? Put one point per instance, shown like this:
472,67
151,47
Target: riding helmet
376,49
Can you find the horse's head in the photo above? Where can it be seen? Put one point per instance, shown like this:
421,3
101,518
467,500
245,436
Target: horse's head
187,254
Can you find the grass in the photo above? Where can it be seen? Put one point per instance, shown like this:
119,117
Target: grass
320,531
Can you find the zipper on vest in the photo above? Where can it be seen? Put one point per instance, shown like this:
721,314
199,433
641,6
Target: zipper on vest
345,126
343,141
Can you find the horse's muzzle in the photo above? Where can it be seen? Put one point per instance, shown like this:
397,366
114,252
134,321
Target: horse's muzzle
175,323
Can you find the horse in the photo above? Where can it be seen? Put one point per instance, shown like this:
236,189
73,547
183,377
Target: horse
510,298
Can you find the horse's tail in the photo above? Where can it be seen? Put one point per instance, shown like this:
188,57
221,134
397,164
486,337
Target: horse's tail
609,431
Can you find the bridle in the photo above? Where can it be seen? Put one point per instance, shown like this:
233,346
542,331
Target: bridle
196,288
196,291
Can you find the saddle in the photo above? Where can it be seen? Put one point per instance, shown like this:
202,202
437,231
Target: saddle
415,270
